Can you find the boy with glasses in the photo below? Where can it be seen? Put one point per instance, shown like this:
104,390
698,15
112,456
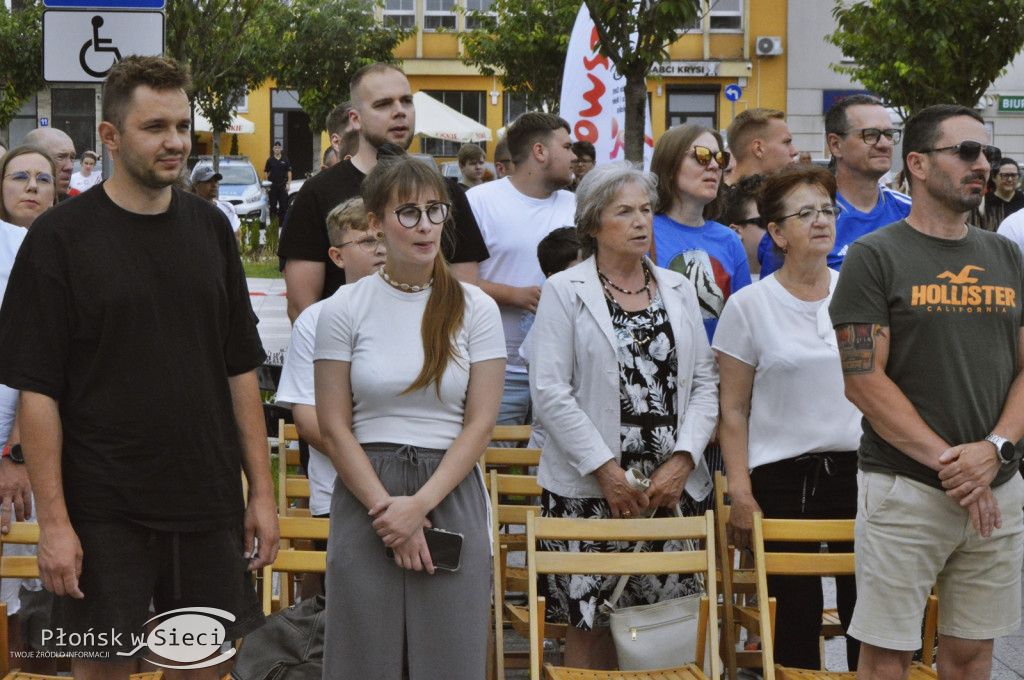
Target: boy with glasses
360,252
585,155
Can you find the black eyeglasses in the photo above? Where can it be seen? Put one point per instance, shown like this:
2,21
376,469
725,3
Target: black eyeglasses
872,135
369,243
703,156
831,212
1009,175
409,215
969,151
756,221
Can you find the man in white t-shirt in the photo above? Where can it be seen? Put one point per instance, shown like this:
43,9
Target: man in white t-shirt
360,252
514,214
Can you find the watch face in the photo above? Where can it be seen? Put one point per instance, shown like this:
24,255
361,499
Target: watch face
1006,452
16,454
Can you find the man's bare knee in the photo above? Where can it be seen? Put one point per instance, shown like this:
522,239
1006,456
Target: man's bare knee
878,663
960,659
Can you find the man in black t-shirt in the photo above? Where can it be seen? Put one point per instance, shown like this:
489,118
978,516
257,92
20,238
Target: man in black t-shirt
278,171
382,111
128,330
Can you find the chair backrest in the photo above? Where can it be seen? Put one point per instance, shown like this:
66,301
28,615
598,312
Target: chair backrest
700,560
504,457
19,566
291,560
511,433
294,486
795,564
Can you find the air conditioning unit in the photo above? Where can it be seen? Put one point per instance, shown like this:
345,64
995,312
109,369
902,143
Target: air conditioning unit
768,46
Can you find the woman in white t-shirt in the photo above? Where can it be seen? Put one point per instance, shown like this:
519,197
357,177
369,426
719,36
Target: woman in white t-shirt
85,178
409,367
789,435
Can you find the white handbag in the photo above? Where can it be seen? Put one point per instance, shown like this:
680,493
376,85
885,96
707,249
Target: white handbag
658,635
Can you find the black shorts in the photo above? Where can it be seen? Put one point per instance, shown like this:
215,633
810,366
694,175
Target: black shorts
126,566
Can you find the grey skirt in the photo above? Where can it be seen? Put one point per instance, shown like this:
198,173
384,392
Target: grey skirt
375,608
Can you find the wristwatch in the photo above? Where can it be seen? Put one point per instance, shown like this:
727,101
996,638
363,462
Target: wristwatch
1004,448
13,451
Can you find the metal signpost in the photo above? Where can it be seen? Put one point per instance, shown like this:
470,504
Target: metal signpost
733,94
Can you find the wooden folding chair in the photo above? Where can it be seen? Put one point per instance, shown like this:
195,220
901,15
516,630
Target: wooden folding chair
292,560
738,586
509,460
509,530
807,564
682,562
290,486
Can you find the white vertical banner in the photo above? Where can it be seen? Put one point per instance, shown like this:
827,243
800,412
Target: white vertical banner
593,98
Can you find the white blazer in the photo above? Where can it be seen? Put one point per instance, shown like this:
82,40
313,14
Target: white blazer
574,380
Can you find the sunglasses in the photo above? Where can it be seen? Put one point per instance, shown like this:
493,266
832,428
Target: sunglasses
703,156
969,151
22,177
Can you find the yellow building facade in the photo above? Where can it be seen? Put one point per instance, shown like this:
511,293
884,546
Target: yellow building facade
738,42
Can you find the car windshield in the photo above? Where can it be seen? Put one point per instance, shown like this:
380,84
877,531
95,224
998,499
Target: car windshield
238,174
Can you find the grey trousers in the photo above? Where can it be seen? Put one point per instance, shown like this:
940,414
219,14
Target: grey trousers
376,609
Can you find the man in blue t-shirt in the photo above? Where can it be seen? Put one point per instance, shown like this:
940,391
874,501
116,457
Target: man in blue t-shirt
861,139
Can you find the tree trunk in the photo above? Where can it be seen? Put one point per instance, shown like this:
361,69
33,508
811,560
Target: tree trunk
636,114
317,154
215,150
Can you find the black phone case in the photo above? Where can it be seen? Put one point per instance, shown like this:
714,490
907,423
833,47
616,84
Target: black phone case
445,549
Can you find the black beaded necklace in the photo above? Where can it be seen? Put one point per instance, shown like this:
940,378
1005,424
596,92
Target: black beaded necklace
605,282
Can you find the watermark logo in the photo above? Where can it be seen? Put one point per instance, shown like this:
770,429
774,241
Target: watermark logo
186,637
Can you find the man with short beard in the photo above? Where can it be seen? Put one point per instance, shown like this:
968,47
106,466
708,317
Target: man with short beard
928,315
382,111
514,214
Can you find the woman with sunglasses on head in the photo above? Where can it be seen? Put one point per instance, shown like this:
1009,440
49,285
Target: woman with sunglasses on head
409,370
788,433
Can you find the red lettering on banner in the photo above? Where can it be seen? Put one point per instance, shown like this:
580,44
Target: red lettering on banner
585,131
593,96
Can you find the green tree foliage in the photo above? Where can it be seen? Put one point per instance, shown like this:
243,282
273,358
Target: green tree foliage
230,47
524,43
915,53
324,44
635,35
21,44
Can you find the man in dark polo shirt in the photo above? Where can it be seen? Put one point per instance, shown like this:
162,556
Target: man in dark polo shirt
382,111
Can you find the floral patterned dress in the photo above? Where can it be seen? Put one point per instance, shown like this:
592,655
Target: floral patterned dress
647,392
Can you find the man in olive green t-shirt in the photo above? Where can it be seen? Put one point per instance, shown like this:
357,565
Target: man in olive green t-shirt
928,318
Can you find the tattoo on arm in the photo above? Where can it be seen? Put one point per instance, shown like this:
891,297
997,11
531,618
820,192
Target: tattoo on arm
857,346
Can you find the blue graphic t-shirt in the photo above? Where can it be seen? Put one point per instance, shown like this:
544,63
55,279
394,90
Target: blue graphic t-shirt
711,256
892,207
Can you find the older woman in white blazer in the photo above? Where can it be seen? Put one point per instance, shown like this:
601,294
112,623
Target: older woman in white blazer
622,378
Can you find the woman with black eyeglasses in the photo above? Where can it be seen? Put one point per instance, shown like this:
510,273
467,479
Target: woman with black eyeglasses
409,365
789,434
688,162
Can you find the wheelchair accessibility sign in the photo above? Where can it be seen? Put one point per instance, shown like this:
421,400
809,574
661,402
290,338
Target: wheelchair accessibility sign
81,47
